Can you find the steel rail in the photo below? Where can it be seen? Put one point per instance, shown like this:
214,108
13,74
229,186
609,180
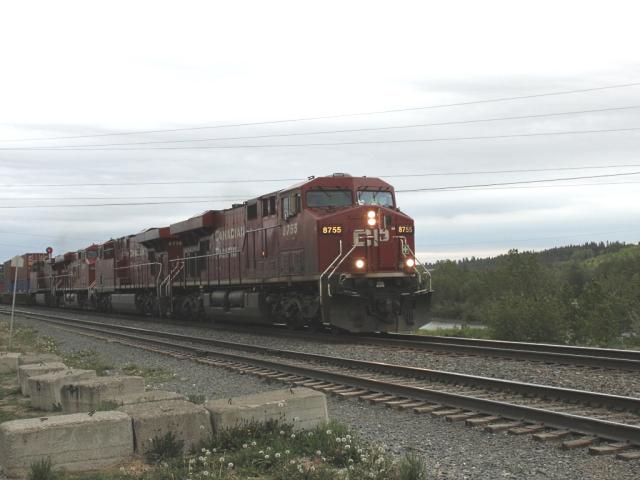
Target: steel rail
578,424
617,359
616,402
539,347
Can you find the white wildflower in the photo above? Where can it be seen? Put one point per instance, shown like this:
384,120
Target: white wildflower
318,452
329,432
277,455
266,457
221,459
253,443
287,452
347,447
244,445
281,404
293,435
230,465
281,432
205,473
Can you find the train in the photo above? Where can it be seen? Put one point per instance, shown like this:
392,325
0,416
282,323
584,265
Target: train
332,252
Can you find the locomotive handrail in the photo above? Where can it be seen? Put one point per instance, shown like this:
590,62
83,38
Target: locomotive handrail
205,256
355,245
145,265
326,270
404,243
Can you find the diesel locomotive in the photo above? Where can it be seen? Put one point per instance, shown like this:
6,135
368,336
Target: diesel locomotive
330,252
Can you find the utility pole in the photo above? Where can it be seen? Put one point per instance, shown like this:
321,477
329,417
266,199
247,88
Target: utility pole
16,262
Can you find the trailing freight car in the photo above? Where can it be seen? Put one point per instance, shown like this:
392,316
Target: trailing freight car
332,251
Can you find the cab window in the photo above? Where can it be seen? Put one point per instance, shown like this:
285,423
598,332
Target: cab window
290,205
329,198
375,197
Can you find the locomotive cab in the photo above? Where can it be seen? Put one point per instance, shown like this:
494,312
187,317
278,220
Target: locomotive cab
369,278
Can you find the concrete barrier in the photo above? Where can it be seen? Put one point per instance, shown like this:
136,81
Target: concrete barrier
9,362
302,407
30,358
87,395
189,422
72,442
33,369
148,397
45,389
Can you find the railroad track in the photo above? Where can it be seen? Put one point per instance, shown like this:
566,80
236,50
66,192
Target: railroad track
607,424
601,358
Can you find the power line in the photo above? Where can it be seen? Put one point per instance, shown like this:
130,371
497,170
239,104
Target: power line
326,117
274,180
329,144
433,189
349,130
460,187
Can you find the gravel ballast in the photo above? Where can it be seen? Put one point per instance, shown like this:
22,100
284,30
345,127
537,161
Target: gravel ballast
614,382
451,450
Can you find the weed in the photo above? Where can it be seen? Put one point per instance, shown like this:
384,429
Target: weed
197,398
165,448
42,470
87,360
411,467
152,375
107,405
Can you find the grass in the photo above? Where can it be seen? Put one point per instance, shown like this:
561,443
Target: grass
197,398
42,470
87,360
150,374
268,451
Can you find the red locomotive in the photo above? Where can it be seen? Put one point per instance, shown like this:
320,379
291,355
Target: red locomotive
331,251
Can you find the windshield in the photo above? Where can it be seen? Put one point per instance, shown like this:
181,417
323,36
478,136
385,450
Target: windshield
329,198
370,197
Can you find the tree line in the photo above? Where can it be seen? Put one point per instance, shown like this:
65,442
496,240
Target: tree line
580,294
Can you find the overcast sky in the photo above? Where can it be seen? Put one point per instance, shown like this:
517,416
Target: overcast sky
89,68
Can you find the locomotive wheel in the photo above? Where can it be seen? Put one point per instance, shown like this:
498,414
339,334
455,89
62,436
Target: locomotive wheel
293,315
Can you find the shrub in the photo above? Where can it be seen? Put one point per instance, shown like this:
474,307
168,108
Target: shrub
165,448
42,470
411,467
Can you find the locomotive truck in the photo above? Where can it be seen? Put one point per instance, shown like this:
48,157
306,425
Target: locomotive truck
332,251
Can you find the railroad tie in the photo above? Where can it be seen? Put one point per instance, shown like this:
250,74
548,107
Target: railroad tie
427,408
308,383
375,401
356,393
478,422
344,390
526,429
395,403
635,455
609,448
551,436
578,442
501,427
365,398
460,416
409,406
445,412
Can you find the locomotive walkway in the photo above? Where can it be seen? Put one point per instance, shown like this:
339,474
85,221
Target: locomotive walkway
605,423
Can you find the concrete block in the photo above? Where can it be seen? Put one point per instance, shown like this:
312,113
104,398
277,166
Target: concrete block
45,389
189,422
34,369
30,358
73,442
302,407
87,395
148,397
9,362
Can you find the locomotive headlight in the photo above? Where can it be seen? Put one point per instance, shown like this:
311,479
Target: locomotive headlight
371,218
410,262
359,263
